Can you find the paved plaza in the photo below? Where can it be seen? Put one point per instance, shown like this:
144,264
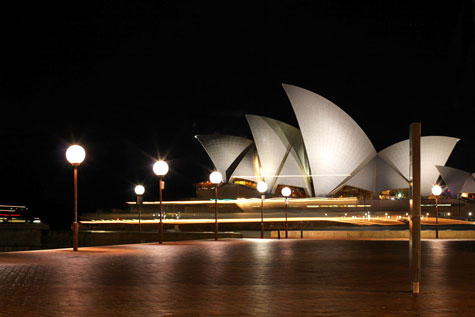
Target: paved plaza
249,277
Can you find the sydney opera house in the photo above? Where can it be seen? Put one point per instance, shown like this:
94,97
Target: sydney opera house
328,155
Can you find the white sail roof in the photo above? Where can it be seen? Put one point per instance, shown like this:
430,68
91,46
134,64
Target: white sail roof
248,167
457,180
453,178
435,150
335,144
223,149
468,186
281,152
377,176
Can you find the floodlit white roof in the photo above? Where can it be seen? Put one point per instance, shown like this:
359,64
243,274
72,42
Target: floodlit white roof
281,152
469,185
457,180
335,144
223,149
388,178
329,151
377,176
248,167
435,150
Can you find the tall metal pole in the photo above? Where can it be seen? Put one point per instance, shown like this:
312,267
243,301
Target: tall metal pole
140,212
437,217
262,216
216,212
161,222
415,205
286,224
75,223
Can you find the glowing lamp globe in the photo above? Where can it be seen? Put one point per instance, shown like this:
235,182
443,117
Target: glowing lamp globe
286,192
436,190
139,190
216,177
261,187
75,154
160,168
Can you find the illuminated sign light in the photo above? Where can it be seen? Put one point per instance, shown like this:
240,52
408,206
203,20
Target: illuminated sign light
338,206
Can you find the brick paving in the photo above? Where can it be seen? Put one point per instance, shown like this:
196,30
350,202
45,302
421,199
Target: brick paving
249,277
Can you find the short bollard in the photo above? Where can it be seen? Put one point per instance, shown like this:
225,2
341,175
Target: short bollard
278,233
301,233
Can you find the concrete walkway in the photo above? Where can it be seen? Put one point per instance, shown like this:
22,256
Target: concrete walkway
240,277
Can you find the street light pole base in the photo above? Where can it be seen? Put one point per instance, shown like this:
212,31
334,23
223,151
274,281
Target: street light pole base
160,241
415,287
75,236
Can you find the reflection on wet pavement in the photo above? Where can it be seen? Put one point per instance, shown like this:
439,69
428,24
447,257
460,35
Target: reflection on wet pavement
239,277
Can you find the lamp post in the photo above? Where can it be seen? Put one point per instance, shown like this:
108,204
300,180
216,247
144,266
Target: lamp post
262,188
75,155
436,191
216,178
139,190
160,168
286,193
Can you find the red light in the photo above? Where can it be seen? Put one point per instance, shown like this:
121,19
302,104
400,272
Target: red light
117,219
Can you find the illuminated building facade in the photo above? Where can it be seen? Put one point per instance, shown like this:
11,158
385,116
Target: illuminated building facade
326,157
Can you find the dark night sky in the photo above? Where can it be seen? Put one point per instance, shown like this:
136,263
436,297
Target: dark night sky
134,80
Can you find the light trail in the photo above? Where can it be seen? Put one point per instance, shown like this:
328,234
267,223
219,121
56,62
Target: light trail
293,176
243,201
357,221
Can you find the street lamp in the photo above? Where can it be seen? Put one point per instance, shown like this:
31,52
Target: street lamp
75,155
262,188
139,190
436,191
216,178
286,193
160,168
